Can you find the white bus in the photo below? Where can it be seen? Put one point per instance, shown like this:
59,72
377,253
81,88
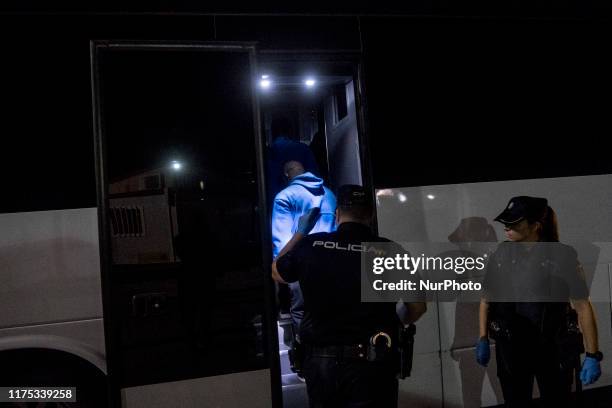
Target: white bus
137,270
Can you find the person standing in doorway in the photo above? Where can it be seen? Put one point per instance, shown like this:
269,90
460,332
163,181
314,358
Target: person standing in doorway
304,192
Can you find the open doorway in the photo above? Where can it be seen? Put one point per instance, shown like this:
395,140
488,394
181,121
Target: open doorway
310,114
317,102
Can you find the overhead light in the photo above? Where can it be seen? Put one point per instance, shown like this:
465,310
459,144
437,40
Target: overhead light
265,76
265,83
384,192
309,82
176,165
431,196
402,197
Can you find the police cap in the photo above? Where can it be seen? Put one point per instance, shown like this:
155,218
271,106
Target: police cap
523,207
353,195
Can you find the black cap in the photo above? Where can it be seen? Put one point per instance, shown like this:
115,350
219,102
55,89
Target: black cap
350,195
523,207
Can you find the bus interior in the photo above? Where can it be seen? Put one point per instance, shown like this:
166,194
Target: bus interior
318,100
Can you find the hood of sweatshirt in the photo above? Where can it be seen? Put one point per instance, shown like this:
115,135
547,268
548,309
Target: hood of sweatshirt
310,182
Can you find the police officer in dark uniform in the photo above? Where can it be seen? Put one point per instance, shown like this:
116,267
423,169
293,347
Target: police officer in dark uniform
535,304
350,346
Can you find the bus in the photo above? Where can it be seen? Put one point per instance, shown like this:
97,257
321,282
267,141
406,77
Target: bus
135,224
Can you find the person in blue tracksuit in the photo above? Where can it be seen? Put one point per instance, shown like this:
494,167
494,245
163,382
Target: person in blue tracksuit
305,191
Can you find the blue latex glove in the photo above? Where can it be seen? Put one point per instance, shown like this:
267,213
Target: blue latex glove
308,220
590,371
483,352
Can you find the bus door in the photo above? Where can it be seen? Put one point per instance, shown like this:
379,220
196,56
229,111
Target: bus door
183,224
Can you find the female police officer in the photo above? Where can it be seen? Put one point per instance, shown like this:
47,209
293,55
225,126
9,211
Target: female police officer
531,281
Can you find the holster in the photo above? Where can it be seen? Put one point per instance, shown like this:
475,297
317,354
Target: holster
406,350
569,341
499,329
296,356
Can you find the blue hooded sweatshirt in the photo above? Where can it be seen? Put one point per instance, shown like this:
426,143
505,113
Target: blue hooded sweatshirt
281,151
303,193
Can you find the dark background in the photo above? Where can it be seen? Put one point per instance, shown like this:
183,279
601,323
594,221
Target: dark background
507,93
159,108
542,8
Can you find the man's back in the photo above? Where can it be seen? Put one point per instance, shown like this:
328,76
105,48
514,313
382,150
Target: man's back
350,346
328,267
303,193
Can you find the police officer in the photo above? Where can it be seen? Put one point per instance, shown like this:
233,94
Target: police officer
534,286
338,329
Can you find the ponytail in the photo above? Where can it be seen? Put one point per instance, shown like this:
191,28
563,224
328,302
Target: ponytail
550,228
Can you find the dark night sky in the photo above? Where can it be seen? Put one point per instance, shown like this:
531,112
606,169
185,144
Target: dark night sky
189,106
466,90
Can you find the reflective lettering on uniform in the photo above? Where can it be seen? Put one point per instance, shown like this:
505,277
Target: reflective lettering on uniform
348,247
